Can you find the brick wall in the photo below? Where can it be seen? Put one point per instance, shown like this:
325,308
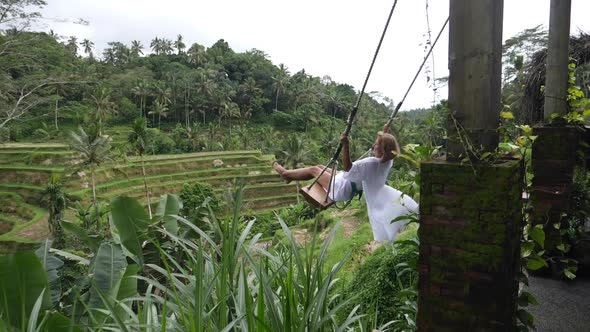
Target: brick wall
469,246
553,159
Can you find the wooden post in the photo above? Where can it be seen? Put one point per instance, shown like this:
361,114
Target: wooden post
556,80
475,64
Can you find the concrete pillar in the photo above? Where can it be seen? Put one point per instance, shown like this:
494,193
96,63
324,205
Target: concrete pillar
475,64
554,151
556,81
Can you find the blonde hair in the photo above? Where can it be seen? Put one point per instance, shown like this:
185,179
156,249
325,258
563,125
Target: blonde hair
389,144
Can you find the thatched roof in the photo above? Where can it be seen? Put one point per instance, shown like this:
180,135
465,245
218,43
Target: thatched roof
533,100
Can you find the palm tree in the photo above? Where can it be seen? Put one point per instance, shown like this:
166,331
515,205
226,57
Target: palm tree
136,48
87,45
142,91
104,106
205,88
197,55
93,150
166,46
179,44
156,45
247,92
160,110
109,55
72,45
192,135
294,153
138,141
59,90
279,82
55,199
162,93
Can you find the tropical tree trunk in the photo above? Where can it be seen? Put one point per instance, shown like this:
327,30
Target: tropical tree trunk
56,109
147,192
277,101
297,185
159,121
93,187
186,99
94,201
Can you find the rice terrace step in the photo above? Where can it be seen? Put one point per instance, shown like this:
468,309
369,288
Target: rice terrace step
25,170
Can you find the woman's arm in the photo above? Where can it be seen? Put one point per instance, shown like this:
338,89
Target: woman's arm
346,163
386,128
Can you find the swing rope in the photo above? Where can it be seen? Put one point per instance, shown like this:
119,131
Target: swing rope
333,162
356,106
399,105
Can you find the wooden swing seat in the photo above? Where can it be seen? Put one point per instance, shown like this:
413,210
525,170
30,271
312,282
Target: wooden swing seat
316,196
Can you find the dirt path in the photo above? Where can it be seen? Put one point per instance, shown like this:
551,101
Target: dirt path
36,232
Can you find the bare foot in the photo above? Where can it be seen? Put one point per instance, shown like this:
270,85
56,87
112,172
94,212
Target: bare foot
281,170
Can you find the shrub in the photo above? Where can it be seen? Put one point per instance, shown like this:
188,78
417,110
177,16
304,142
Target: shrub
297,213
4,135
380,279
127,110
193,196
266,223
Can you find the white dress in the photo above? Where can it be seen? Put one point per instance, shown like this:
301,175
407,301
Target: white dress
383,202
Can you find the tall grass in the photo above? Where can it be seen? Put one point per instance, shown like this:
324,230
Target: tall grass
219,278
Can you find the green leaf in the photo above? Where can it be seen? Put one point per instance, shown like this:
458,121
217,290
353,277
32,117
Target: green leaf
535,262
169,206
526,130
131,221
526,249
81,234
70,256
57,322
506,115
128,286
108,268
538,235
52,265
22,279
527,298
34,317
525,317
569,274
586,113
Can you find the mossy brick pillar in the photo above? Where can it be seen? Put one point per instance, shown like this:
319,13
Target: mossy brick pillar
470,226
553,159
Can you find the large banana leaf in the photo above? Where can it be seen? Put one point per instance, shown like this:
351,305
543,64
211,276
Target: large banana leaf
128,286
131,221
22,279
108,269
57,322
52,265
90,241
169,206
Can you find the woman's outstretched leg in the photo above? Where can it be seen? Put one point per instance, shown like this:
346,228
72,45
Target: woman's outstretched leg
302,174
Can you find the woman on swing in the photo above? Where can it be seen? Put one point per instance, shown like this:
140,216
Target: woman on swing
369,175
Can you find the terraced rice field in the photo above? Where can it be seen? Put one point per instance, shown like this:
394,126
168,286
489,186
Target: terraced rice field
25,170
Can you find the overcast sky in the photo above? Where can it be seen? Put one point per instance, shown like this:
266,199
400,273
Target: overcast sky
326,37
